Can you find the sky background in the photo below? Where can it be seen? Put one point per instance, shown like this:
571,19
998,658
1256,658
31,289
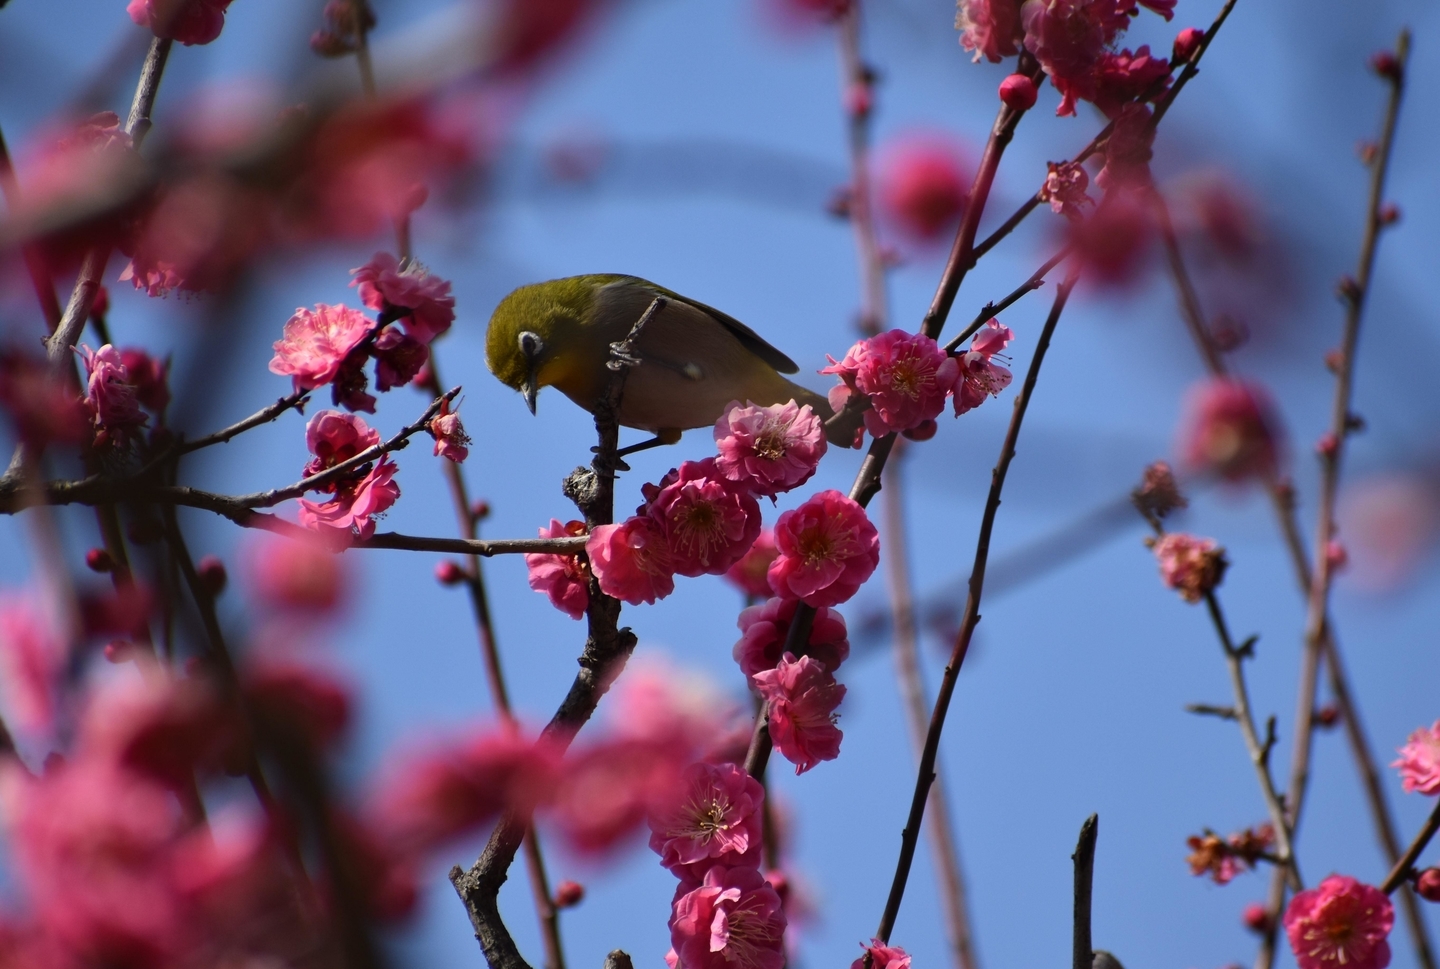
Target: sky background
717,139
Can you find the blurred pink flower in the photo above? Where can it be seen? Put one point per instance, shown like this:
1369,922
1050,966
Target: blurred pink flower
315,343
749,574
1419,762
906,376
156,278
1391,521
1121,78
882,956
828,548
979,376
149,377
764,628
1128,150
632,560
709,523
714,818
991,28
802,696
384,283
769,449
564,578
110,398
921,185
607,789
41,408
296,576
295,699
1189,565
731,920
1113,241
188,21
161,727
450,438
1230,429
32,659
1341,923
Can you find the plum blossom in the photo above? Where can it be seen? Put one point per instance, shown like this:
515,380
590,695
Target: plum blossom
1223,859
451,441
921,185
1129,149
1159,493
802,696
293,576
1189,565
1123,77
632,560
1230,429
769,449
828,548
749,574
980,376
1419,762
32,659
316,342
607,791
882,956
731,920
564,578
709,523
398,358
41,408
149,377
384,282
1065,187
1340,923
1113,241
190,22
764,629
905,375
714,819
161,727
299,699
334,437
110,398
991,28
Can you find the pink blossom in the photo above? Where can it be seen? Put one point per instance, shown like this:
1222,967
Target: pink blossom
1230,429
161,727
32,658
1341,923
828,548
715,819
802,696
1128,150
764,628
564,578
398,358
1123,77
1067,37
1165,8
316,343
769,449
990,28
188,21
708,522
632,560
1191,566
149,377
451,441
659,704
608,789
335,437
356,504
297,699
1419,762
384,283
882,956
905,375
110,397
41,408
921,185
749,574
979,376
291,575
731,920
156,277
1065,189
1113,241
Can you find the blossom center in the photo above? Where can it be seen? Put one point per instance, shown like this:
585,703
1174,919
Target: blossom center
770,444
748,936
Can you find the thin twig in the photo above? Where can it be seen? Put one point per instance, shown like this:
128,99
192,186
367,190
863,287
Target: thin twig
297,400
1082,953
1401,872
991,310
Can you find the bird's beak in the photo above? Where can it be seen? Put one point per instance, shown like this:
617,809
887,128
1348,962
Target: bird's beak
530,390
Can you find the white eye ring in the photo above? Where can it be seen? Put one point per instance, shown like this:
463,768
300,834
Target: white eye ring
530,344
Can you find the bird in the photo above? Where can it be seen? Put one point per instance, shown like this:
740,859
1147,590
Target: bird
694,360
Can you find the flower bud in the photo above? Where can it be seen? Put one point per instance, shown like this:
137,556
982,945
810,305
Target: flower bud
1347,288
212,574
1336,556
1333,359
859,99
568,894
101,306
923,431
1327,445
1018,92
1386,64
449,573
99,560
1256,918
1427,885
1327,716
1389,213
480,510
1186,43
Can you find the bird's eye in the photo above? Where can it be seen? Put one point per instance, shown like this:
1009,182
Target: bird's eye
530,344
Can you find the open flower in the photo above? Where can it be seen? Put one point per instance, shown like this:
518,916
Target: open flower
764,629
334,437
991,28
769,449
802,696
564,578
1419,761
714,818
708,522
905,375
1189,565
385,282
979,376
316,342
1230,430
828,548
451,441
882,956
732,920
110,398
1342,924
632,560
188,21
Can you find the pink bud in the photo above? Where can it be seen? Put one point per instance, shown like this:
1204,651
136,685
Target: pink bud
1018,92
858,99
1186,43
1327,716
1389,213
1427,885
1336,555
101,306
1327,445
1386,64
1256,918
99,560
212,574
480,510
923,431
449,573
568,894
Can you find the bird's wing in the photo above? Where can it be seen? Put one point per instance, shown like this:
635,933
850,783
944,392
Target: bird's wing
751,340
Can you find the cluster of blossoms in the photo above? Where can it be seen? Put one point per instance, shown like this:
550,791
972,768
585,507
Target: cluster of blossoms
1191,566
331,344
1224,858
118,384
903,379
190,22
359,495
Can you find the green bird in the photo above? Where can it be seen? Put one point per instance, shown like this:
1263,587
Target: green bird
694,359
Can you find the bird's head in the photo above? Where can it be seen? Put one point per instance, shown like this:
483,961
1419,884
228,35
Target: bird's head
538,333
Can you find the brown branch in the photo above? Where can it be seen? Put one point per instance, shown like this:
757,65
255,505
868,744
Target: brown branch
991,310
1401,872
1083,949
297,400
